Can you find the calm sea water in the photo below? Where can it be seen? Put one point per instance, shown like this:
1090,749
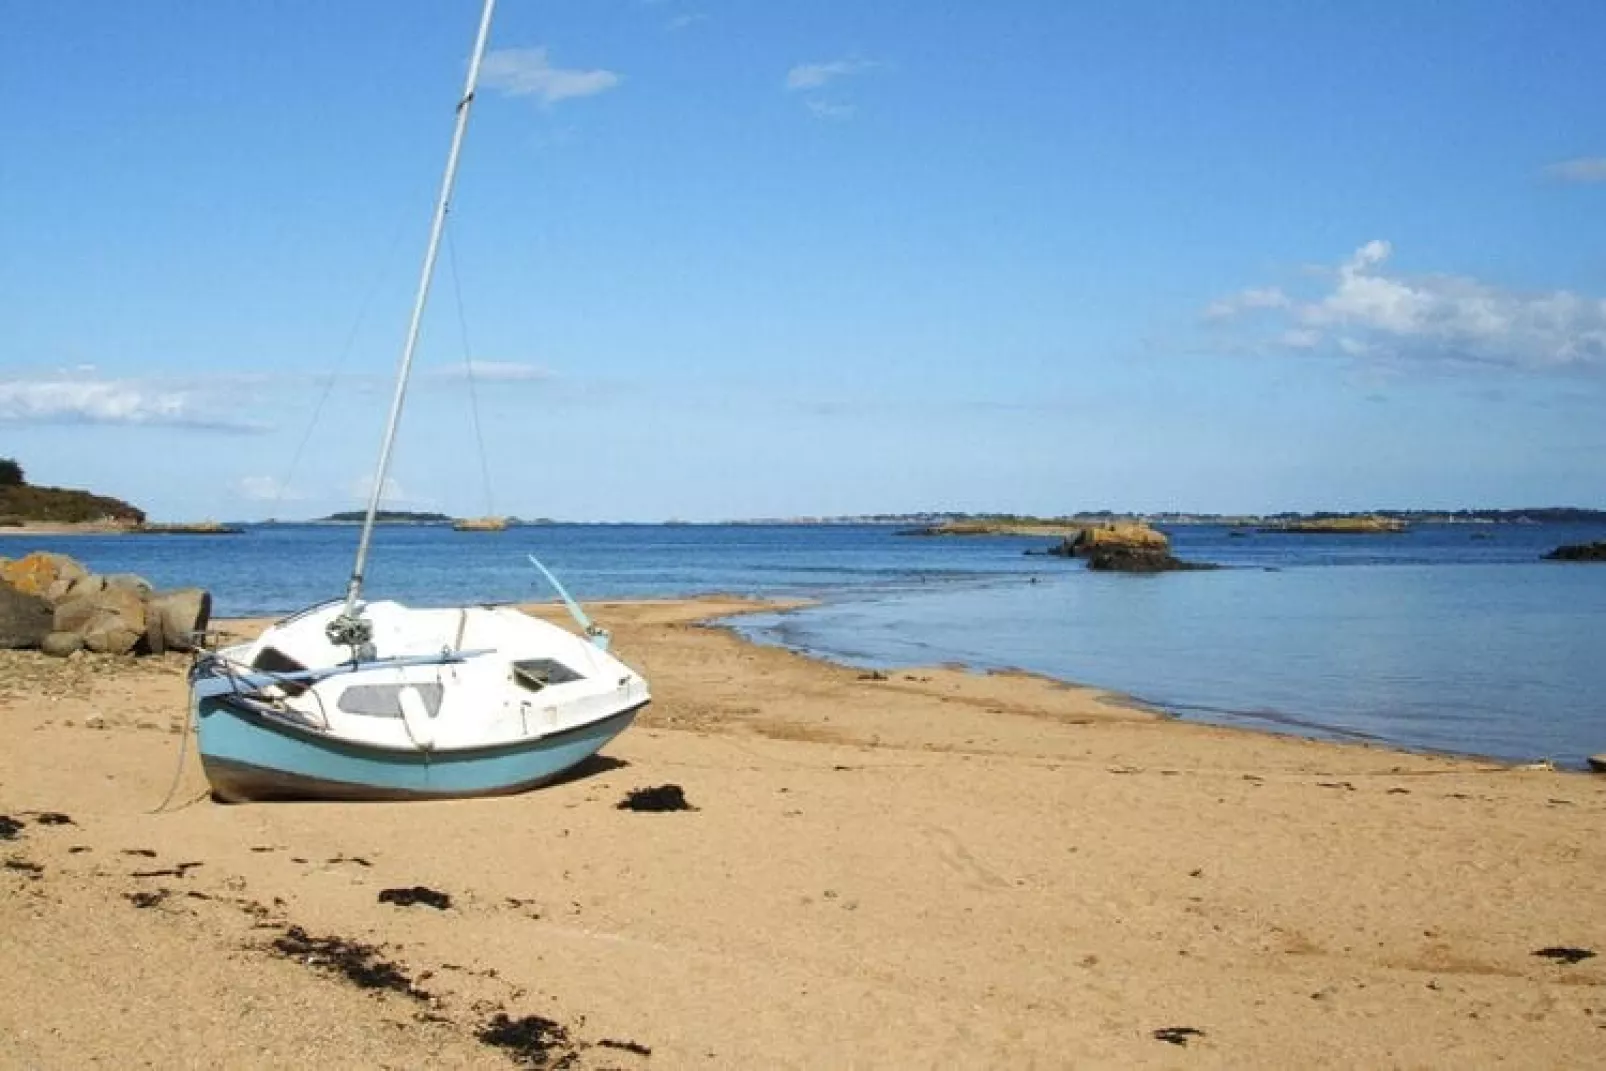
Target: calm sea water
1451,638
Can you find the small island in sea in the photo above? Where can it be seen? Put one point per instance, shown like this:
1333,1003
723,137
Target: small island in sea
384,516
1365,524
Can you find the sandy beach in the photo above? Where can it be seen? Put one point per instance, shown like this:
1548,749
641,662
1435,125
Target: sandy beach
930,868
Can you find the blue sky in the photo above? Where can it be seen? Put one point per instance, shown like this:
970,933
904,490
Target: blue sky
722,259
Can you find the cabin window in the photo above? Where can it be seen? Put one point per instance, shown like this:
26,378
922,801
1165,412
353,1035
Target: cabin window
538,673
384,700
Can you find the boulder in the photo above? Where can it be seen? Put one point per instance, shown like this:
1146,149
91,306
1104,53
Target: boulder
24,618
37,573
181,614
61,644
113,635
93,584
131,582
1133,536
74,613
1124,548
118,623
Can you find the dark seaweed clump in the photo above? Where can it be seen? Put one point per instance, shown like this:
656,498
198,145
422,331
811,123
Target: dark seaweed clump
627,1046
418,894
358,963
656,798
1177,1035
33,870
176,871
9,827
1564,954
55,818
531,1040
146,899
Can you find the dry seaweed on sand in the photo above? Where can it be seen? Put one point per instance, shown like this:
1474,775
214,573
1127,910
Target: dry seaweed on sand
1565,954
360,964
178,870
54,818
656,798
531,1040
146,899
417,894
33,870
625,1046
9,827
1177,1035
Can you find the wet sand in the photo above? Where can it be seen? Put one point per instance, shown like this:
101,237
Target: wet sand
935,868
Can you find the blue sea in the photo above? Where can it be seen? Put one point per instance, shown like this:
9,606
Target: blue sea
1449,638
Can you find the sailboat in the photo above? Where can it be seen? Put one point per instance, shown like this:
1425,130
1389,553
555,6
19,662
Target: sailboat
356,700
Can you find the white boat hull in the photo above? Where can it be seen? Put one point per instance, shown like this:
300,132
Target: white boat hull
453,703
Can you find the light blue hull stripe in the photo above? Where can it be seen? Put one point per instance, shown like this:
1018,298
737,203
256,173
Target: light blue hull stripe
248,756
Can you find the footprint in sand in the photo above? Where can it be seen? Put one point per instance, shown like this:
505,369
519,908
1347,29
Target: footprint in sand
953,853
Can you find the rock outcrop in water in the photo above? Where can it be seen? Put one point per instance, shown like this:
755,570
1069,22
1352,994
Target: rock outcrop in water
1579,552
52,603
1124,548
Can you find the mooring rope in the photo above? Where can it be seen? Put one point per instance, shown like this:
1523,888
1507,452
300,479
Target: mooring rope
178,768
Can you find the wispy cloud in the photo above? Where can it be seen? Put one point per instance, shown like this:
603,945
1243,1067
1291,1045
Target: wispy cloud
690,18
826,109
390,494
494,371
1258,297
527,72
1582,170
816,75
1368,314
810,78
267,489
83,399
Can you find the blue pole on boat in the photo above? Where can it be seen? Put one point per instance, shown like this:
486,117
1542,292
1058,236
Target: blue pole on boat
599,636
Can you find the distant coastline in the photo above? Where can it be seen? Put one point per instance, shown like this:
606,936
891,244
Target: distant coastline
959,523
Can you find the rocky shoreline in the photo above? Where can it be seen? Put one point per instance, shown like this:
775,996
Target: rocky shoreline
53,603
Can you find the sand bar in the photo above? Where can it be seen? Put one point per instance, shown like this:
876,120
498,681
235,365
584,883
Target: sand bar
934,869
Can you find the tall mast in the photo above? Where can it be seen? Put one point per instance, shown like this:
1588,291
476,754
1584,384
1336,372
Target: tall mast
346,622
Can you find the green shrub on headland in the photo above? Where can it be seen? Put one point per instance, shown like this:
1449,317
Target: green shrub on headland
21,503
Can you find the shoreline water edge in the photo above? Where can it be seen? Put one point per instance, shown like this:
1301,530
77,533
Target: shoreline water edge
838,867
1435,640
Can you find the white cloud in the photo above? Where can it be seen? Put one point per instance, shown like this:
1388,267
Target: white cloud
1370,314
78,399
691,18
1260,297
267,489
825,109
526,72
494,371
809,77
391,495
815,75
1582,169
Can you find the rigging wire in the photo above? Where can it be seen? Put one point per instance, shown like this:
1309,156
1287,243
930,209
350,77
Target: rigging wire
468,369
335,369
